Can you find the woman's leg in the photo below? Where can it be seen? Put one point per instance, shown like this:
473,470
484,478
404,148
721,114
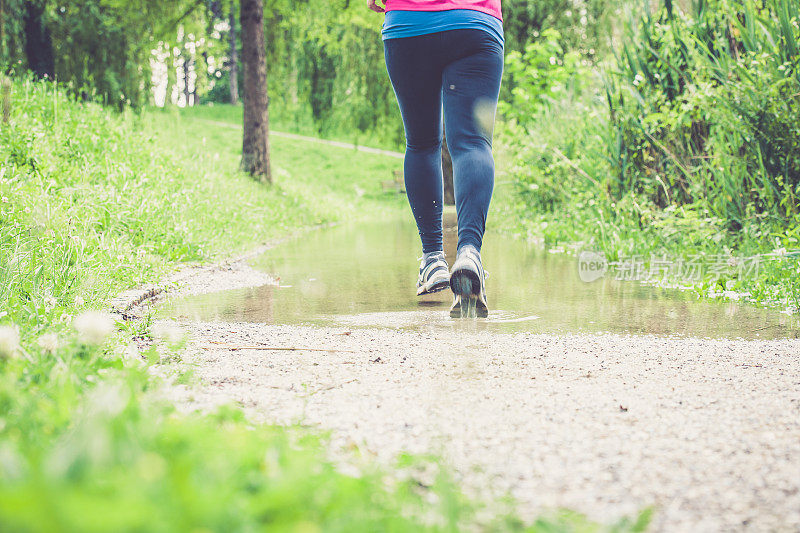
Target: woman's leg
471,86
416,76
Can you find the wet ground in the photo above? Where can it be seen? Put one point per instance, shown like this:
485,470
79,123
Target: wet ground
601,397
363,276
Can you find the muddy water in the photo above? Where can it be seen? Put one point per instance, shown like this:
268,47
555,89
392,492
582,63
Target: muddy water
364,276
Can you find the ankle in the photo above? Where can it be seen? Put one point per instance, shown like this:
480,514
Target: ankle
464,248
429,256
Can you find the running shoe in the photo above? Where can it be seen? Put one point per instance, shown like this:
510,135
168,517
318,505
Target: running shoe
468,283
434,275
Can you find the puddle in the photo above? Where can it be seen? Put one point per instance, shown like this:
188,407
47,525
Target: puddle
364,276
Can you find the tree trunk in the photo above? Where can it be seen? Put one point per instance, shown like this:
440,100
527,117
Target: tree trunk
447,174
194,85
5,96
187,95
172,77
233,55
255,142
38,44
3,56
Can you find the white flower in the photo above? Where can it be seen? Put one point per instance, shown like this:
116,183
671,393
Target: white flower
130,353
50,302
9,341
48,342
94,326
168,331
108,399
78,301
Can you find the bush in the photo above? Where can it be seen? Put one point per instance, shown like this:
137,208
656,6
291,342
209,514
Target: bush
704,106
687,143
701,108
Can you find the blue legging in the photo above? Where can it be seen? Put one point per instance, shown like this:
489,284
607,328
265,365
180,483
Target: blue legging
462,69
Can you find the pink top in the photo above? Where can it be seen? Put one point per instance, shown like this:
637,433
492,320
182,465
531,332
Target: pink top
492,7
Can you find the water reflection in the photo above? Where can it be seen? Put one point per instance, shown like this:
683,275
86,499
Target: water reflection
364,275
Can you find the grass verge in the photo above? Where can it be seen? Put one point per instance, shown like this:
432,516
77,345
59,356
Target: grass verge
232,114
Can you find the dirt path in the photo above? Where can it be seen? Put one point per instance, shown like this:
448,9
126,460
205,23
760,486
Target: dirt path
707,431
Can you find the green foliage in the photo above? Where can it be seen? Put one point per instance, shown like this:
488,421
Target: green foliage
704,106
689,145
542,74
11,33
325,59
101,48
584,26
86,447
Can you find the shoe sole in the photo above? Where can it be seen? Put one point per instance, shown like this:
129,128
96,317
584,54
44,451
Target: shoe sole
466,284
437,283
431,288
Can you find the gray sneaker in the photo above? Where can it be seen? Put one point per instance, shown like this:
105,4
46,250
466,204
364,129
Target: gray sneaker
434,275
468,283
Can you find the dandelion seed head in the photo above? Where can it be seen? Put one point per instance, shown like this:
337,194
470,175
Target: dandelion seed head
168,331
48,342
130,353
50,302
94,327
109,399
9,342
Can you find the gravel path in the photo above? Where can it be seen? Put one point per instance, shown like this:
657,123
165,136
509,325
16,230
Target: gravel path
707,431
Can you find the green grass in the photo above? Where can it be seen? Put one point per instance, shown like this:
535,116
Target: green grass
95,203
92,203
233,115
337,183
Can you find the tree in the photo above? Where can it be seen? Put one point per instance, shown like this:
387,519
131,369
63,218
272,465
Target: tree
3,56
186,63
255,142
38,43
233,55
